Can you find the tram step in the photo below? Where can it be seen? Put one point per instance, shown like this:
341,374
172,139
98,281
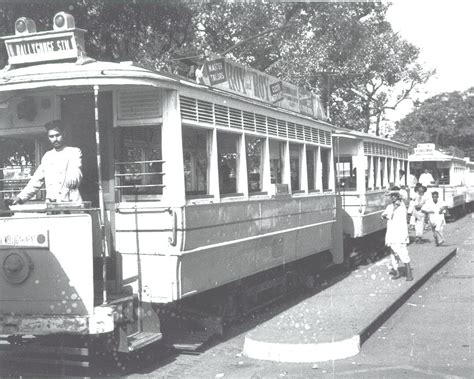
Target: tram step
138,340
191,341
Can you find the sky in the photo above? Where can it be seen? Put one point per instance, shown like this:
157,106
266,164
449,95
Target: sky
444,31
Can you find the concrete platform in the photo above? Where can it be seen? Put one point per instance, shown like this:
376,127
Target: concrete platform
335,322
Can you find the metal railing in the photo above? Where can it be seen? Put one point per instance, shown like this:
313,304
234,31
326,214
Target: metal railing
139,178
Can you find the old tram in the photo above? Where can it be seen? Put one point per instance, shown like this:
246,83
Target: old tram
188,188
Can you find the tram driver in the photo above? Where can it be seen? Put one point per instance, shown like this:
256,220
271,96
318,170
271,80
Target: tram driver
60,170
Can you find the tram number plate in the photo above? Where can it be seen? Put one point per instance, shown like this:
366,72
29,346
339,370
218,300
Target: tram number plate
29,239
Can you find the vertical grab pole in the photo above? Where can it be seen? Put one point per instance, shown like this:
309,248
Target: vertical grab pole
105,250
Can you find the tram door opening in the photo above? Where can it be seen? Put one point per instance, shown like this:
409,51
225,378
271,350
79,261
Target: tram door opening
78,113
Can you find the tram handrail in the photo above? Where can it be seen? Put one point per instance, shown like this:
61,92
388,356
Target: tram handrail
127,210
135,210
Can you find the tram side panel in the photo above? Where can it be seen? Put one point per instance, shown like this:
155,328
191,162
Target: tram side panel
362,213
220,243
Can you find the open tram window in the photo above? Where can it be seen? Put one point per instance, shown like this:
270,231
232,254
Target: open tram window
19,158
196,158
382,173
255,156
228,147
325,165
140,167
375,173
368,182
295,167
346,174
311,168
277,153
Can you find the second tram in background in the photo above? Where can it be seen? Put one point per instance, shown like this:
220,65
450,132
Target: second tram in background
449,170
366,166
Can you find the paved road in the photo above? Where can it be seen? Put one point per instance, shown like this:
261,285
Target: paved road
431,335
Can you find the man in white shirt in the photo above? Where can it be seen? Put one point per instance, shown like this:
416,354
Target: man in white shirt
436,209
60,170
426,179
396,237
411,181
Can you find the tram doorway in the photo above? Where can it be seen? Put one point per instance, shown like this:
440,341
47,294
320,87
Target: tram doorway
77,111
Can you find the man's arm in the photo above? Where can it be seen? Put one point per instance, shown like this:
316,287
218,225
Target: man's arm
33,186
73,176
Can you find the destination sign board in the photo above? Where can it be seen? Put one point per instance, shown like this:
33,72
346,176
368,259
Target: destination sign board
45,46
236,78
425,148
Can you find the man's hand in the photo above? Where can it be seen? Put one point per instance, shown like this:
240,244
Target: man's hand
16,200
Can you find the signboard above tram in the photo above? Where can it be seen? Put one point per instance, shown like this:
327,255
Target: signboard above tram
28,46
233,77
430,149
425,148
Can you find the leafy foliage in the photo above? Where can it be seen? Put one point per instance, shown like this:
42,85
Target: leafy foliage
444,119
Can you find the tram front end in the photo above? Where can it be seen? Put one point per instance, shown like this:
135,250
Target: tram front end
47,276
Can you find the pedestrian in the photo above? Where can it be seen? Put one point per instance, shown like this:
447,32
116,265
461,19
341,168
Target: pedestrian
436,209
396,236
418,215
60,170
410,182
426,179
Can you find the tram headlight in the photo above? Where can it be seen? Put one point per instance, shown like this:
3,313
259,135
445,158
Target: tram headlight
62,21
24,25
16,266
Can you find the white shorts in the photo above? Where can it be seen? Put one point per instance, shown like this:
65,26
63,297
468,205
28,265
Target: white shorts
401,250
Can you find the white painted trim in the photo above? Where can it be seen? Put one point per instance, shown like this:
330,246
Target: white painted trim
227,243
301,353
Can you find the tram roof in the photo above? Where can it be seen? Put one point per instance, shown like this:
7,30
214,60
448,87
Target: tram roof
69,74
351,134
435,155
91,72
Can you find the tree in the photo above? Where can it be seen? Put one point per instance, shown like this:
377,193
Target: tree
445,119
347,52
150,33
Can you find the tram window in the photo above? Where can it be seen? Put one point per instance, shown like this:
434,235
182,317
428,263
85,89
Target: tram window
443,177
375,170
227,147
139,170
195,157
382,168
295,170
368,183
255,156
346,174
18,159
277,150
389,172
311,168
325,162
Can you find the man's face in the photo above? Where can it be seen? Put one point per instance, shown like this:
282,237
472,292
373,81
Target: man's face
56,138
435,197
